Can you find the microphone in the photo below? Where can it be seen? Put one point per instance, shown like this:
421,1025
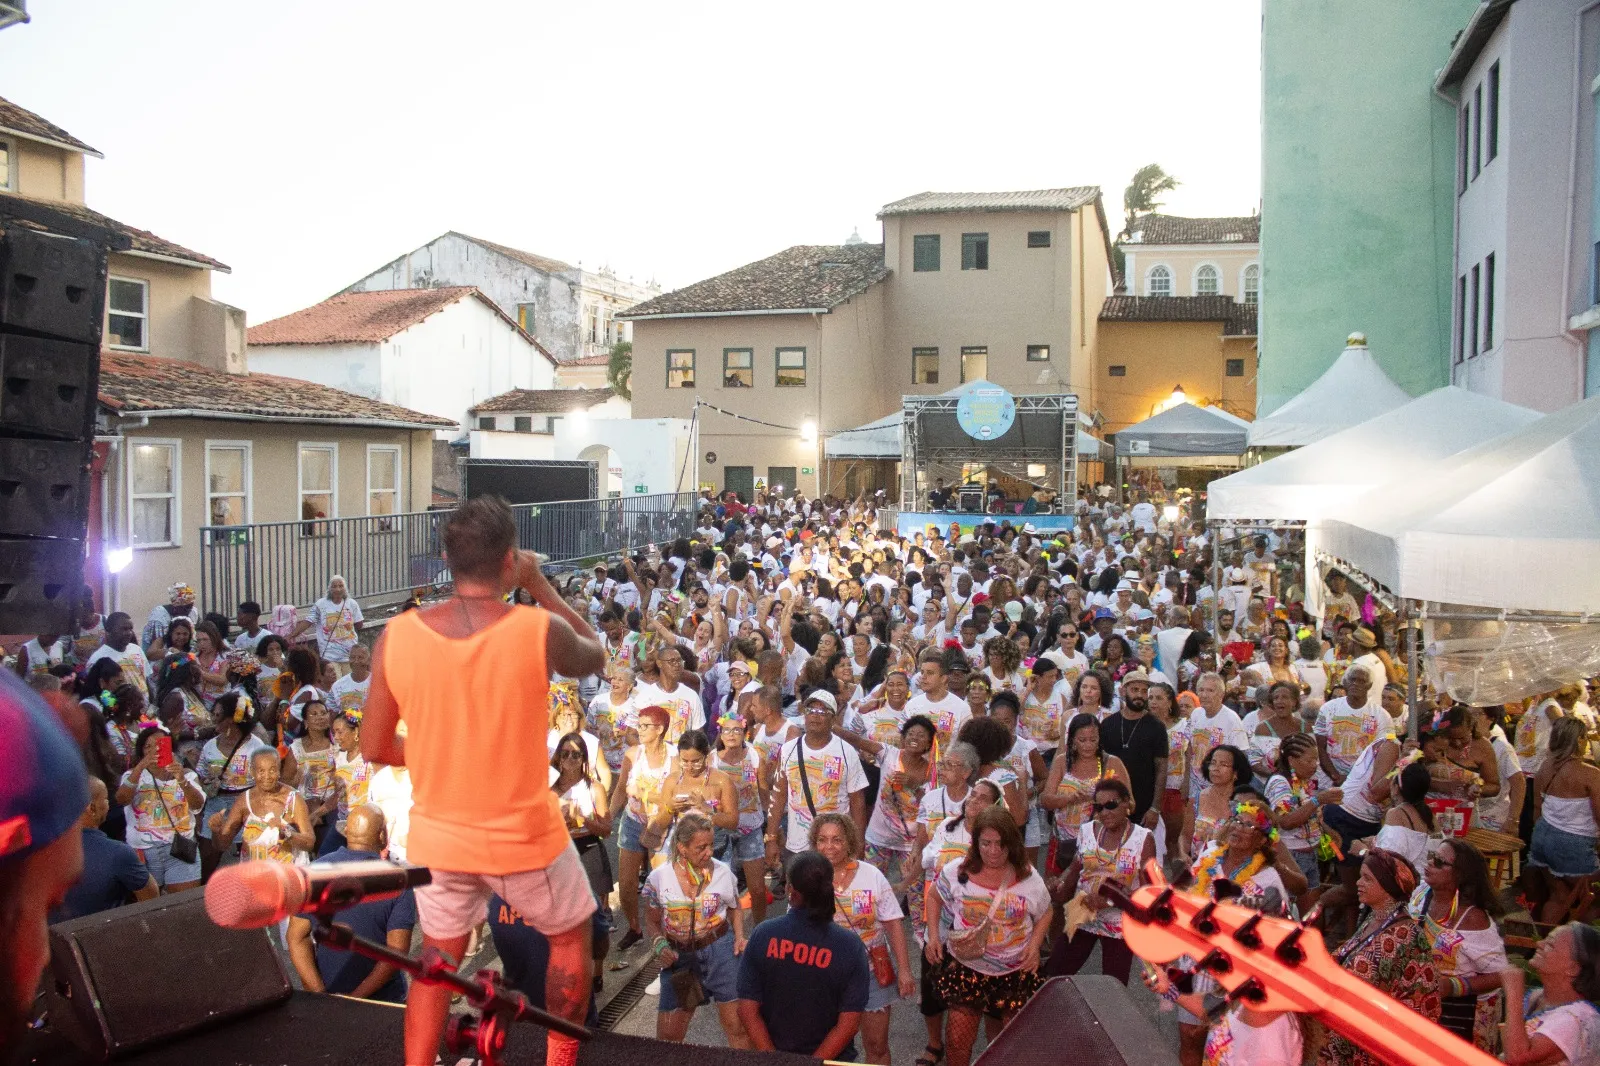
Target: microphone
254,895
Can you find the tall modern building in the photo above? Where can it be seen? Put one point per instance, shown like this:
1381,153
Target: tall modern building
1358,184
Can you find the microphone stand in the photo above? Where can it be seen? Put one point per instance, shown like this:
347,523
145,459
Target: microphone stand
497,1006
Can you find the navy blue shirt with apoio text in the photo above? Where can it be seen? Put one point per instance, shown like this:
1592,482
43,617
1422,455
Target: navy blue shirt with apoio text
804,973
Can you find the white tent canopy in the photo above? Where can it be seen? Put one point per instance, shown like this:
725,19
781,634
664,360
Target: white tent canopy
1511,524
1351,391
1185,430
879,439
1309,483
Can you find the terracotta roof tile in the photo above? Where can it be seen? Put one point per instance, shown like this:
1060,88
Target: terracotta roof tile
1069,199
133,384
372,317
544,401
1173,229
805,277
590,360
1239,320
21,120
142,240
358,317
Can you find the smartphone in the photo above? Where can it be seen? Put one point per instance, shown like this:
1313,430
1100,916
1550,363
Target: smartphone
164,750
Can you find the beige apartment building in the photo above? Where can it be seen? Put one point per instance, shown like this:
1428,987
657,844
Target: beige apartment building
781,353
1168,255
187,437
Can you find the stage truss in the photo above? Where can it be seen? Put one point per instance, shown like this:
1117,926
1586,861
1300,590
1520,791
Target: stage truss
918,453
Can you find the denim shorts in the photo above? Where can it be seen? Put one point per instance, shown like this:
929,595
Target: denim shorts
165,869
748,846
1307,861
879,997
718,969
628,834
221,802
1563,854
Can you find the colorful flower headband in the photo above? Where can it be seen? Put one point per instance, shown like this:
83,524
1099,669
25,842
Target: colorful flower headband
1256,817
352,717
244,708
107,700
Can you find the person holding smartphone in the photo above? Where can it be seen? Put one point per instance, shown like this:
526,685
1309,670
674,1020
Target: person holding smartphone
164,795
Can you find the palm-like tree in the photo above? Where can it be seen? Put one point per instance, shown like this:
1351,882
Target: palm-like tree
1144,192
619,371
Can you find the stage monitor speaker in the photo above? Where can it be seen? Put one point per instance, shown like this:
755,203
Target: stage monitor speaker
1089,1019
52,303
134,976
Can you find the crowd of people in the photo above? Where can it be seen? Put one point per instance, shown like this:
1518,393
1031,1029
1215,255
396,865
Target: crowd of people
942,750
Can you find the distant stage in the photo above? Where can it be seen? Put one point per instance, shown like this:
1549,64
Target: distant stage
909,522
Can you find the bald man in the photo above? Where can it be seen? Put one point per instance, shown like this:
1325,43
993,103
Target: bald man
386,921
112,872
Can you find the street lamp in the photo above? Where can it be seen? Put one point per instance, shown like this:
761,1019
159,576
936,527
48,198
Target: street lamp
808,432
118,559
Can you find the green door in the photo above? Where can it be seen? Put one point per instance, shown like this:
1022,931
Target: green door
780,479
740,479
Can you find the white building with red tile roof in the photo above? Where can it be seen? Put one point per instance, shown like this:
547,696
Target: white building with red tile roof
439,350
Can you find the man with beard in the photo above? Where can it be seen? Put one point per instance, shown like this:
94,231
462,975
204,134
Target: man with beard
43,793
1140,741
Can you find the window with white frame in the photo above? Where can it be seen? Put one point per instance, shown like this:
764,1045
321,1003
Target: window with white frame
228,482
1158,282
128,314
1205,280
153,479
319,480
383,483
5,164
1250,285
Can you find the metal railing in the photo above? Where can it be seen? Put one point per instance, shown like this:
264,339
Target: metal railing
384,557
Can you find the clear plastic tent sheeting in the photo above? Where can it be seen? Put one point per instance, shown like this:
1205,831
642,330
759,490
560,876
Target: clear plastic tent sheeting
1489,660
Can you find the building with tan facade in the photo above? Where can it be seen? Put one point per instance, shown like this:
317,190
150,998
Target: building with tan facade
1168,255
186,436
1157,351
774,356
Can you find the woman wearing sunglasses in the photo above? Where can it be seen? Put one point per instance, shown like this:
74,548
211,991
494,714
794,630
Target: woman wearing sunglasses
575,780
1111,853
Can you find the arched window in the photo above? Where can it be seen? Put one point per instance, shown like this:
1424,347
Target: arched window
1251,288
1158,282
1205,281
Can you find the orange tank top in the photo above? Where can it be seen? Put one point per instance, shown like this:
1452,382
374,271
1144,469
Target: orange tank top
476,712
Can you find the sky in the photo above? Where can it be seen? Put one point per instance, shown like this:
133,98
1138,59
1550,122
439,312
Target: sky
307,144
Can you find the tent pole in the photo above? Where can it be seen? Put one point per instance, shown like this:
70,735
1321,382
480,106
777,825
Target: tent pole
1216,577
1411,667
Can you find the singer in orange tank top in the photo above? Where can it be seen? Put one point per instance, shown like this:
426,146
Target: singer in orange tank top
469,678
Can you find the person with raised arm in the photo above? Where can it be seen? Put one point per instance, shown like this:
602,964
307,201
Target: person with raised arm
489,823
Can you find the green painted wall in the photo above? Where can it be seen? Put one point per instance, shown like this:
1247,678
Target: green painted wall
1358,190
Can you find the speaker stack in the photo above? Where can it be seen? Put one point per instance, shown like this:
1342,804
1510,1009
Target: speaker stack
52,307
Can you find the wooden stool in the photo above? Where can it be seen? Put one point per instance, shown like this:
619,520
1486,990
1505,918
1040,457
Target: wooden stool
1503,853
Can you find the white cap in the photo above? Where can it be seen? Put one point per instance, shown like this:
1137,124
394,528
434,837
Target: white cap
824,697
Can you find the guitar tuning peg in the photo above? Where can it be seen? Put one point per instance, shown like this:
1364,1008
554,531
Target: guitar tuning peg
1246,934
1216,961
1251,991
1289,950
1202,922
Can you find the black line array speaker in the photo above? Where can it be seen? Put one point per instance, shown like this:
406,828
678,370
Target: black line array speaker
52,304
1082,1019
140,975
